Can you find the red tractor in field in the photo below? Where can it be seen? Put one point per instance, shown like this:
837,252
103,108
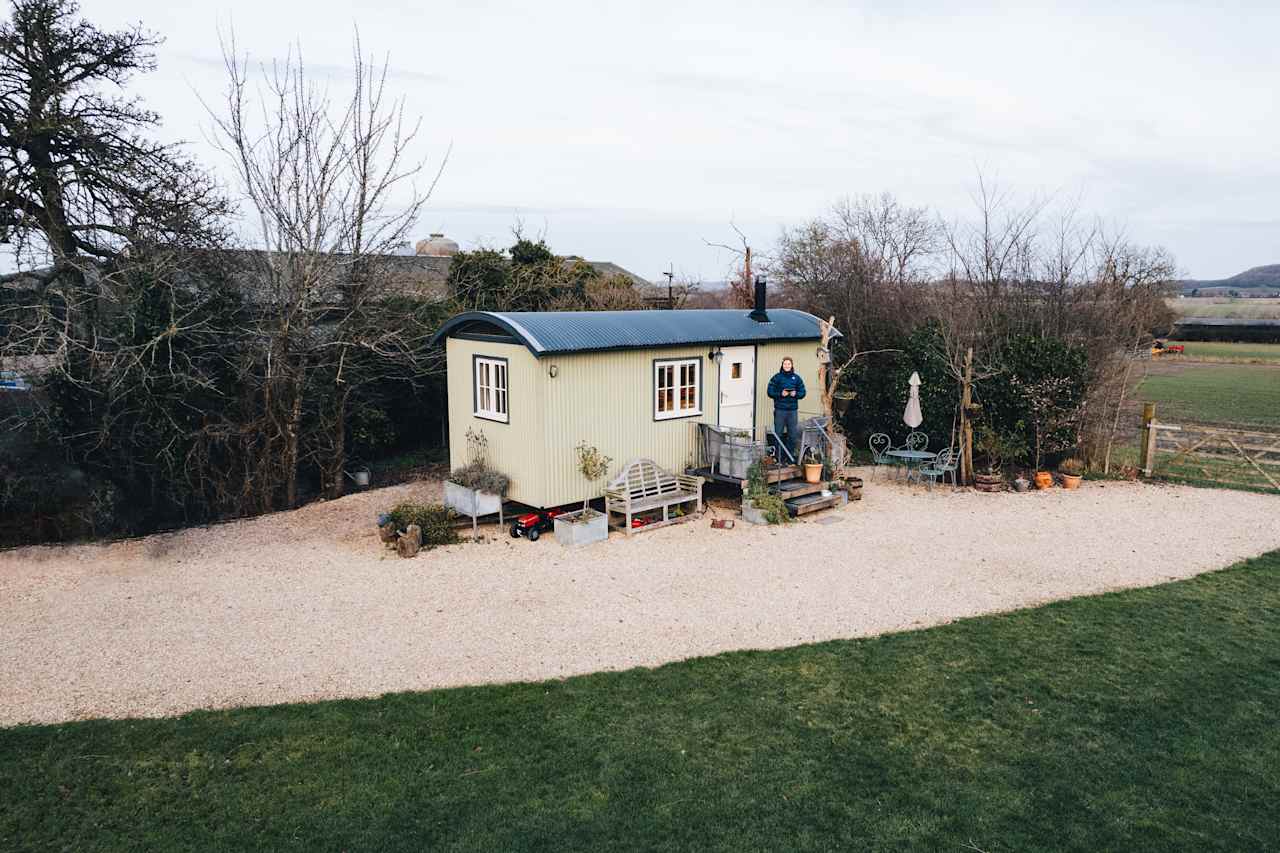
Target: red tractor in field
1161,348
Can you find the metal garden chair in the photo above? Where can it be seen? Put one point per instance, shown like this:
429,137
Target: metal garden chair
945,463
917,441
880,445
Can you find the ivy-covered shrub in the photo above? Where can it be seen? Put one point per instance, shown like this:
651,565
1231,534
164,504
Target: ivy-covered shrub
435,521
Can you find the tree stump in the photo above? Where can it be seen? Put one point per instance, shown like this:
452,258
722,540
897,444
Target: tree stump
388,534
409,542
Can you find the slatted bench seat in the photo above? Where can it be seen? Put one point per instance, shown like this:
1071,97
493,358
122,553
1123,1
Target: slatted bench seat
643,486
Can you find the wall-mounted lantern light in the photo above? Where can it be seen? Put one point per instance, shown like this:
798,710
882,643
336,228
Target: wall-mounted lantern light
715,355
553,371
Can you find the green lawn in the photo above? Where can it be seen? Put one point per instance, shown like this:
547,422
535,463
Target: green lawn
1142,720
1228,352
1247,395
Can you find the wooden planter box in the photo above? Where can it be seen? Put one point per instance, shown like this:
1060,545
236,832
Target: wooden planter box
581,527
470,502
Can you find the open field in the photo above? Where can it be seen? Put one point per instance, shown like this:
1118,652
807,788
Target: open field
1227,352
1221,306
1241,394
1139,720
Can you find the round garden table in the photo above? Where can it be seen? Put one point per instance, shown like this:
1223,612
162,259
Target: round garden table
916,457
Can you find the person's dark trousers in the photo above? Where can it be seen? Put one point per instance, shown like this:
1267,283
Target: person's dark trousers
787,424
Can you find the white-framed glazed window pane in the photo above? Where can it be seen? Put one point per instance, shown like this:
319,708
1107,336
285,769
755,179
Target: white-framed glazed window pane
491,393
676,391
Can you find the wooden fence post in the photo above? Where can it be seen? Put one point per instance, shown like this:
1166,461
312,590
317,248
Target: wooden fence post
1147,460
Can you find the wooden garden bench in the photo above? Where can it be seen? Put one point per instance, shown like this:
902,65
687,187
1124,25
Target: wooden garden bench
642,487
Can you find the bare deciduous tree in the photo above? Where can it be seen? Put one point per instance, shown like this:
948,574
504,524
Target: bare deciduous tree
330,185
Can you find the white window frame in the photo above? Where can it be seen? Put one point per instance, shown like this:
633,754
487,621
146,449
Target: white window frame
491,399
660,368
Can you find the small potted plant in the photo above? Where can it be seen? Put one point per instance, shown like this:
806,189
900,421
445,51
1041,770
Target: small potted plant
475,489
993,449
1072,472
585,525
811,461
1021,483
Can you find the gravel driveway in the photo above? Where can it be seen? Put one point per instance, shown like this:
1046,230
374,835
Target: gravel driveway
307,605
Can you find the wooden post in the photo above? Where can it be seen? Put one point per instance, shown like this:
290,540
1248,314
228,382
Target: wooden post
826,381
1148,457
966,428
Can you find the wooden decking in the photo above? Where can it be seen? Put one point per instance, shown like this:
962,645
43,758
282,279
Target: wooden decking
800,497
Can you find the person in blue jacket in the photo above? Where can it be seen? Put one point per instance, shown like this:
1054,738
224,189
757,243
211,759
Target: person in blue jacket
786,389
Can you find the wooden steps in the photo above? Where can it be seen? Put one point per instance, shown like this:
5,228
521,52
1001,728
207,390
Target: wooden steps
810,503
798,488
803,498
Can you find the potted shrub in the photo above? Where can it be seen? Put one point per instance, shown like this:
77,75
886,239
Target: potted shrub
585,525
759,505
1072,472
475,489
811,461
993,449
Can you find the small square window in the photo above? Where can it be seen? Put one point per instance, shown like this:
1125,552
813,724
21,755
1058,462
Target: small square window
491,389
676,388
735,372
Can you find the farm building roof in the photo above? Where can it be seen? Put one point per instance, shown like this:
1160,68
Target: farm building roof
554,332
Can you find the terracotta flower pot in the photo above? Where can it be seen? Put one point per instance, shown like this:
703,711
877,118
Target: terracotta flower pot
1044,480
813,472
1070,481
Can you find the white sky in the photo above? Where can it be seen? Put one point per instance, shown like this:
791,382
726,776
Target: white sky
631,132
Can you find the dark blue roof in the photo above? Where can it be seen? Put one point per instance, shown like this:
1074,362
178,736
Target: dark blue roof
551,332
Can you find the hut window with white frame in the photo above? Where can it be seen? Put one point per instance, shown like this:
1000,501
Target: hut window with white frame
491,389
676,391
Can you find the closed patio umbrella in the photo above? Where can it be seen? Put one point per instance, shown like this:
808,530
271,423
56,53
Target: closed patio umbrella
912,416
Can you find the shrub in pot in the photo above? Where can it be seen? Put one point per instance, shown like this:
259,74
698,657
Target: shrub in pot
812,464
1072,471
759,505
584,526
475,489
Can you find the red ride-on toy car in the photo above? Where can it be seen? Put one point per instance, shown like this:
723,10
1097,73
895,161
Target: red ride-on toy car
531,525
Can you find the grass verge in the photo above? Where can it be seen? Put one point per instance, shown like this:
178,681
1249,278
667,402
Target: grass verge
1212,351
1246,395
1140,720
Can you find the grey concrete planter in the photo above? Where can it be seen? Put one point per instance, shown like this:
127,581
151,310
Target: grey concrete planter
470,502
737,457
751,514
581,527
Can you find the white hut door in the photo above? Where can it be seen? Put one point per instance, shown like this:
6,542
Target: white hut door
738,387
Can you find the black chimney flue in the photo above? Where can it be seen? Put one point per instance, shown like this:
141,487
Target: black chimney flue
760,314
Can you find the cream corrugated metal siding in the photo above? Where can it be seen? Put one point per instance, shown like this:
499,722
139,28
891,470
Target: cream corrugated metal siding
515,446
603,398
606,399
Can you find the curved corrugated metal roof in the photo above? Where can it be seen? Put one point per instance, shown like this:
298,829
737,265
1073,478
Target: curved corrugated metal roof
550,332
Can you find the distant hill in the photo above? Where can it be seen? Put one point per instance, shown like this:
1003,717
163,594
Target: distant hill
1265,278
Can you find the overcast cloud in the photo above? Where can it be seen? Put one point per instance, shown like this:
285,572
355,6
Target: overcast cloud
631,132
